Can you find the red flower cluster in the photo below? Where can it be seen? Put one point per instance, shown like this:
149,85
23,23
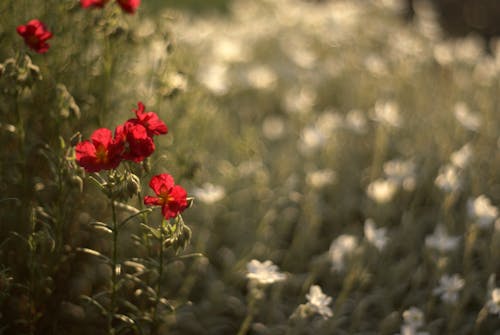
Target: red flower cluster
132,141
129,6
172,198
35,35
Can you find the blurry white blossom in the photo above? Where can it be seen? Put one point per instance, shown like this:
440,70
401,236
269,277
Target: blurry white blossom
273,127
302,56
402,172
376,236
227,49
209,193
469,49
448,288
462,157
375,65
264,273
340,249
311,139
469,120
215,78
321,178
299,100
443,53
387,112
318,302
329,121
356,121
441,241
261,77
413,319
493,303
448,179
382,190
482,211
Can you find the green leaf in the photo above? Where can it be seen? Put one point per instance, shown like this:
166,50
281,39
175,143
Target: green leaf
146,210
156,233
97,183
102,227
95,253
94,303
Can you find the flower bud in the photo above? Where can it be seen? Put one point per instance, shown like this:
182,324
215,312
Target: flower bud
77,182
133,184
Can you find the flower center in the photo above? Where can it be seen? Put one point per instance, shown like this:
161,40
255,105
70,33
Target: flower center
165,198
32,40
101,154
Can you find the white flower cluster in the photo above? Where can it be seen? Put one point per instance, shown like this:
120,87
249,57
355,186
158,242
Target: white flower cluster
413,319
448,288
318,302
264,273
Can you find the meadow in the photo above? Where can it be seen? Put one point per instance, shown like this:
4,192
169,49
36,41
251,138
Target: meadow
337,169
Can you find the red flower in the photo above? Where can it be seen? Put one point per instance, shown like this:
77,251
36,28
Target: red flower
102,152
129,6
172,198
35,35
149,120
93,3
139,144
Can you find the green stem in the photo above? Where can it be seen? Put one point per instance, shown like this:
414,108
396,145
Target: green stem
160,271
113,261
245,325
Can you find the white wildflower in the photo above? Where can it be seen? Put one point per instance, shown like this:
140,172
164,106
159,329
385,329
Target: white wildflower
461,158
387,112
448,179
482,211
382,190
377,237
448,288
375,65
408,330
321,178
341,247
215,78
443,53
469,120
413,319
318,301
261,77
311,140
441,241
228,49
356,121
402,172
329,121
264,273
209,193
493,304
273,127
299,100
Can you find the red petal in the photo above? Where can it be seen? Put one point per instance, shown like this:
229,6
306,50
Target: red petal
152,201
140,109
21,30
161,183
180,196
102,136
